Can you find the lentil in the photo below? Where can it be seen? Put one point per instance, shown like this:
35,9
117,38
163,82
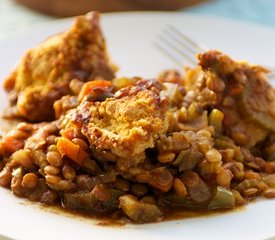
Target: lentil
269,193
22,158
224,178
30,180
270,167
179,187
68,172
5,177
52,179
251,175
250,192
54,158
51,170
166,157
80,143
213,155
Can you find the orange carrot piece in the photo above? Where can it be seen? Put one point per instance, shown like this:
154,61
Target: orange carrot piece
87,87
68,148
71,150
69,133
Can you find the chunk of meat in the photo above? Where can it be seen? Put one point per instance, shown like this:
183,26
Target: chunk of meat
235,88
196,187
101,200
127,124
44,73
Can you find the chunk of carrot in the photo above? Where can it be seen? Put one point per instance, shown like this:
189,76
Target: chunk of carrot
69,133
89,86
71,150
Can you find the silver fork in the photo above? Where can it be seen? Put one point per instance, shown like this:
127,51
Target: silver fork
183,50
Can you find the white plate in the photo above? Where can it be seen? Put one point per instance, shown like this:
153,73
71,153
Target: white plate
130,38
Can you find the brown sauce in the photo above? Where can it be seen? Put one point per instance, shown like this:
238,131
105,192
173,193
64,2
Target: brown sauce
117,221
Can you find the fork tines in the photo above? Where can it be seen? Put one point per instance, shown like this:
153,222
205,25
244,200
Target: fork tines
178,47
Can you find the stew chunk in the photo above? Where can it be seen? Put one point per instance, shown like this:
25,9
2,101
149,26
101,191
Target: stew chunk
128,123
43,75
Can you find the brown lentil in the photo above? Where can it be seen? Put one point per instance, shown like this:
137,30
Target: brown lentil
269,193
238,156
19,134
227,154
80,143
270,167
250,192
50,128
65,185
182,114
239,138
161,179
238,170
25,127
51,179
16,185
51,170
215,84
193,110
68,172
166,157
51,140
262,186
22,158
75,86
224,178
213,155
52,148
204,145
29,180
54,158
179,141
204,133
179,187
5,178
251,175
